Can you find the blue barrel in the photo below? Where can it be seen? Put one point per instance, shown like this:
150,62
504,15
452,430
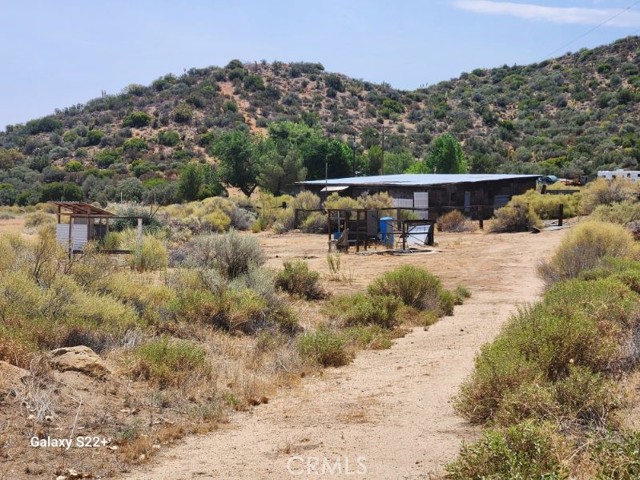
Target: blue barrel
386,230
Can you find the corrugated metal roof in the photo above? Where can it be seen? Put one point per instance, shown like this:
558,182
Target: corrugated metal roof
417,180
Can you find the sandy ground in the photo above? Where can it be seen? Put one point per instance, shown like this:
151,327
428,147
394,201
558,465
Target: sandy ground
389,414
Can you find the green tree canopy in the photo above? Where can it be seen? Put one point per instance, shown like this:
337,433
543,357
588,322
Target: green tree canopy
190,182
445,156
239,164
316,151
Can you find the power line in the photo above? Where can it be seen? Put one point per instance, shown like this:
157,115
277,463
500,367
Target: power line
590,31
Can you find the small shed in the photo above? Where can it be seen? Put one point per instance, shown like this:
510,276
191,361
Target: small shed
79,223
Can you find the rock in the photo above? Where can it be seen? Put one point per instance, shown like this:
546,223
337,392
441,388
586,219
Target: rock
11,376
73,473
79,359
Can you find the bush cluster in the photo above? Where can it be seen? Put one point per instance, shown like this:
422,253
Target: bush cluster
548,382
607,192
516,216
297,279
415,287
547,206
455,221
584,248
169,363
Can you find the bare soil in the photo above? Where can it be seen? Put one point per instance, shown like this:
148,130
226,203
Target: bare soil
389,414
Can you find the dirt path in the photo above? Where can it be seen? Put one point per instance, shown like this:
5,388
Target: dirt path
390,412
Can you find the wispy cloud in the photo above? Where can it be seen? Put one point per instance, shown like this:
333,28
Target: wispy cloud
582,16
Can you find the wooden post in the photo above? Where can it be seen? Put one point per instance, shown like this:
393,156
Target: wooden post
139,235
70,236
561,214
404,235
481,216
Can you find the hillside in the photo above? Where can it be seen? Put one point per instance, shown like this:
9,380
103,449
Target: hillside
568,116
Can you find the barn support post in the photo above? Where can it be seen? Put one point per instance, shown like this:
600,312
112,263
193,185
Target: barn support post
481,216
139,235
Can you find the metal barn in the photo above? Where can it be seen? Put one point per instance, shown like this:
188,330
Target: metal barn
437,192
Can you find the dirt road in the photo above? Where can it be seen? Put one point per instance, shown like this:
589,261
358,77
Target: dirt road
389,414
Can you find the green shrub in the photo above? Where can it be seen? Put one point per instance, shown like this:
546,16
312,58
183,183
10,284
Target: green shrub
587,396
516,216
585,248
297,279
306,200
617,456
524,451
150,255
168,138
455,221
378,201
462,293
547,206
231,254
499,369
324,347
336,202
622,213
369,337
316,222
607,192
216,221
137,120
37,219
360,309
169,363
414,286
586,324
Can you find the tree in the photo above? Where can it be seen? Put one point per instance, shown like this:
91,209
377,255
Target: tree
238,163
445,156
277,170
190,182
317,151
397,162
8,194
69,192
10,158
131,189
374,160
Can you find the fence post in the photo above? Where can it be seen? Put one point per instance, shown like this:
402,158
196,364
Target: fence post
139,236
404,235
561,214
481,216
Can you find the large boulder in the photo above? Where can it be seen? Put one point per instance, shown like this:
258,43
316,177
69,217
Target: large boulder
79,359
11,376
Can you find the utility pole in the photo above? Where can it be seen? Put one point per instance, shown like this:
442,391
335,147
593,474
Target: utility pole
382,160
326,178
353,145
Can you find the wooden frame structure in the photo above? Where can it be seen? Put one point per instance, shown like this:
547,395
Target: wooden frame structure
86,223
361,227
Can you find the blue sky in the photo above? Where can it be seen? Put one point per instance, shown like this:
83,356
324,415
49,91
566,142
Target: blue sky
59,53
